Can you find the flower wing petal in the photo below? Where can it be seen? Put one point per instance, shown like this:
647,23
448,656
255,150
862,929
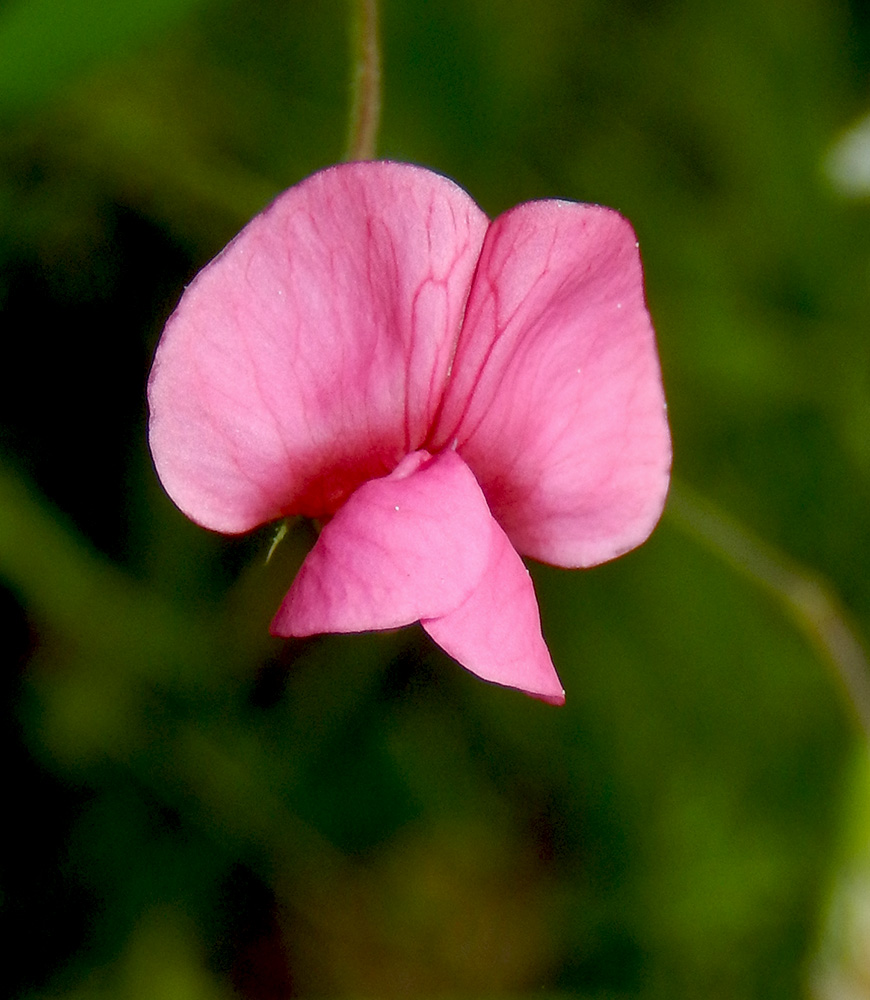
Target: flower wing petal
556,400
496,632
410,545
311,354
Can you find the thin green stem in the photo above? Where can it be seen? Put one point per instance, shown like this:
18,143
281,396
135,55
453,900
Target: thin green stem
365,113
810,600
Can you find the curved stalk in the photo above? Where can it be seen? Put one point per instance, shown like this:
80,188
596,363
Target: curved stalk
365,113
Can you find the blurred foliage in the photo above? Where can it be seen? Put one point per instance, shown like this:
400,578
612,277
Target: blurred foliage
198,811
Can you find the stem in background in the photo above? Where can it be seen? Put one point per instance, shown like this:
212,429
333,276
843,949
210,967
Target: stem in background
365,113
810,600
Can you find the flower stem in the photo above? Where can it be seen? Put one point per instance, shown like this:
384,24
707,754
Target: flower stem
809,599
365,113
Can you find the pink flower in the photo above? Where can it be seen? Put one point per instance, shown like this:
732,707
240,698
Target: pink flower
443,391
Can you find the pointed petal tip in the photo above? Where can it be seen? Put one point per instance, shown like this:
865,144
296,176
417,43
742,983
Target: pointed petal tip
496,633
550,699
280,628
550,692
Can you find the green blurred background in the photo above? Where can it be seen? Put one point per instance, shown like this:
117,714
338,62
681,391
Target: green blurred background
193,810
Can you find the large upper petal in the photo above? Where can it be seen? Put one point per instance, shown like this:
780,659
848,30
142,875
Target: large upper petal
555,398
311,354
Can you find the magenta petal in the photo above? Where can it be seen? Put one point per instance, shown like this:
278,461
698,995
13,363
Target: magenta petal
312,353
555,398
411,545
496,632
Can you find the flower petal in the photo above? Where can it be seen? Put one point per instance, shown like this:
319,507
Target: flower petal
411,545
555,398
496,632
311,354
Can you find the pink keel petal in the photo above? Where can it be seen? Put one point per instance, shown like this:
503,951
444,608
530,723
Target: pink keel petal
496,632
407,546
311,354
555,398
